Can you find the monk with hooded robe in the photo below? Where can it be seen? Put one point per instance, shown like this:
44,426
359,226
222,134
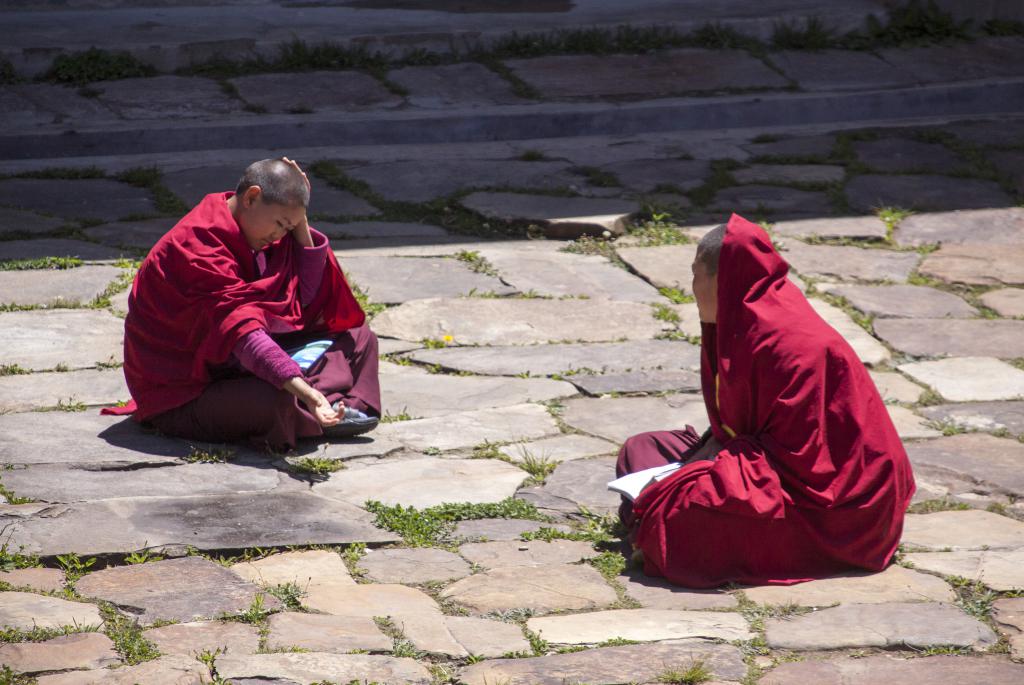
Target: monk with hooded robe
220,306
802,474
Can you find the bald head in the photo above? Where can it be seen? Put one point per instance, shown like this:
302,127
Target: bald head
279,182
710,248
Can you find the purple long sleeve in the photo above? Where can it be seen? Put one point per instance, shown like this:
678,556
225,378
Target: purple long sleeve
260,355
312,261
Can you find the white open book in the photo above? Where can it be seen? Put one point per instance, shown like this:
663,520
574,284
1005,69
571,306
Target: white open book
632,484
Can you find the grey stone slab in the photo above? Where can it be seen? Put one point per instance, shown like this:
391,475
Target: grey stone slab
853,227
324,633
934,670
867,349
78,338
425,483
393,280
962,530
189,639
541,588
27,610
994,132
658,593
57,247
777,201
894,584
79,483
617,419
378,229
420,395
64,104
984,226
68,652
192,185
361,446
1005,301
609,665
981,416
509,553
166,670
500,529
92,198
910,426
56,288
172,590
670,72
37,579
22,113
895,388
92,387
18,221
421,181
984,58
664,266
901,155
637,382
475,321
542,360
923,192
563,274
1010,163
641,625
801,148
916,625
140,235
560,217
649,175
467,429
208,522
167,97
320,666
986,459
576,484
306,569
465,84
559,448
1001,570
486,638
1009,617
315,91
832,70
954,337
903,301
969,379
413,566
328,202
976,264
849,263
784,174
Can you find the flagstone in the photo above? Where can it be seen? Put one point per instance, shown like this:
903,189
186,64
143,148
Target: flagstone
29,392
315,91
508,553
969,378
774,200
657,593
619,418
910,426
424,483
894,584
902,301
803,148
933,670
923,192
20,222
1009,616
849,263
563,274
413,566
543,360
664,266
637,382
648,175
418,395
789,173
79,650
1009,163
970,338
1003,226
541,588
894,155
962,530
41,579
984,58
915,625
78,338
378,229
473,321
1000,570
611,665
325,633
26,610
93,198
174,669
192,185
978,457
360,446
41,248
462,84
560,217
486,638
976,264
207,522
642,625
141,234
994,132
174,589
305,569
559,448
1005,301
501,529
190,639
832,70
320,666
982,416
896,388
393,280
167,97
468,429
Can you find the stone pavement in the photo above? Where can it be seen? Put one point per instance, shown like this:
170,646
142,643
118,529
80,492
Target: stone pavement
531,294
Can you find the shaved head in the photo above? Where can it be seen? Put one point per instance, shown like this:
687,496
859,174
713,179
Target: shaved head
280,183
710,248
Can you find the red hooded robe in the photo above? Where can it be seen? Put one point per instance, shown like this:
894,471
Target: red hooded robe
812,478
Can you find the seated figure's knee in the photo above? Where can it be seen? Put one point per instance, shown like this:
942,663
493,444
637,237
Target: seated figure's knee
641,441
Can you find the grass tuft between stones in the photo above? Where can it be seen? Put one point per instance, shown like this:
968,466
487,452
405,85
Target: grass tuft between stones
127,636
431,526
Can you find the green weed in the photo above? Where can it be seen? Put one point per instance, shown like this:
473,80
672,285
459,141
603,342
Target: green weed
8,495
663,312
9,677
598,178
290,595
610,564
10,561
403,415
351,556
932,506
318,466
973,597
372,309
676,296
1003,27
532,156
256,612
913,23
142,557
214,455
92,65
52,263
13,370
812,35
659,229
127,636
476,263
434,524
694,674
539,468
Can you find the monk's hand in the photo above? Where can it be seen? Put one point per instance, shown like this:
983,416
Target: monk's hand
295,165
314,400
301,233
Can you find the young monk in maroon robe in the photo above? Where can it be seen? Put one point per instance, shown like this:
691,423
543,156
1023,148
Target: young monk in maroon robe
802,474
238,280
